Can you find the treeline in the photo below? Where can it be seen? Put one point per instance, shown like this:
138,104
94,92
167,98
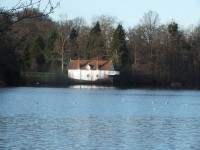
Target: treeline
148,53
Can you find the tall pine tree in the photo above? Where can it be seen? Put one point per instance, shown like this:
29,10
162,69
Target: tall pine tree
73,43
119,49
50,45
50,48
95,43
38,59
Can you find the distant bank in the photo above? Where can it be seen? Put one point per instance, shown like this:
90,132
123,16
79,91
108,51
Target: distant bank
40,79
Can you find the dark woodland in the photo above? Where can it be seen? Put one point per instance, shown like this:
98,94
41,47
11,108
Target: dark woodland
149,53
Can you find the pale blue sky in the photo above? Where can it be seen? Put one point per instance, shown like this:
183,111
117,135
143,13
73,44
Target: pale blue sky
129,12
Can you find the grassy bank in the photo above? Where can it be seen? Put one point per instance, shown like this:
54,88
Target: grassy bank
36,78
52,79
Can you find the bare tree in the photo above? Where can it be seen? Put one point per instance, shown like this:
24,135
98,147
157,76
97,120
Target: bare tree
134,35
64,28
194,41
150,26
78,23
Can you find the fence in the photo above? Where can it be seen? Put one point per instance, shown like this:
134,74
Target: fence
39,76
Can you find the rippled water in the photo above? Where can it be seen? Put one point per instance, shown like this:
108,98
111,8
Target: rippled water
96,118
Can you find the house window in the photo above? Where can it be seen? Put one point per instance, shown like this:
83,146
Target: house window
88,75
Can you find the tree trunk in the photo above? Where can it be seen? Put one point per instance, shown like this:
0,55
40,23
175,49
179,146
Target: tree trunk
62,60
135,56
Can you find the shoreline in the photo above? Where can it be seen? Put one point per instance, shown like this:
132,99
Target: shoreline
118,86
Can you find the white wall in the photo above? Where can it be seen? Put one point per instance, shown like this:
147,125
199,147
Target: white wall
92,75
88,75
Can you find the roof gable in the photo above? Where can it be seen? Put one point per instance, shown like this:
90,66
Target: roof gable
94,64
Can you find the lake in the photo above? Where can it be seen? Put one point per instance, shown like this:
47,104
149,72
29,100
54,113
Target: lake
90,117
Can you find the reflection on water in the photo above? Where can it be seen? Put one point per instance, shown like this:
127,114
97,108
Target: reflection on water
59,118
90,87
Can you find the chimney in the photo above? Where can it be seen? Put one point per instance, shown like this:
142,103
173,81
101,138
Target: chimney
78,65
97,64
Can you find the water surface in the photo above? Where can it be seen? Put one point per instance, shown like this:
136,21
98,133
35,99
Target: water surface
99,118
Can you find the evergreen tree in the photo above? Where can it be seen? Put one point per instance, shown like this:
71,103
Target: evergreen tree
73,42
50,45
25,59
95,43
179,54
119,49
38,59
51,42
73,35
173,28
49,49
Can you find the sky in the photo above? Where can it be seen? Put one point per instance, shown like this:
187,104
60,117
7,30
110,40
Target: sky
128,12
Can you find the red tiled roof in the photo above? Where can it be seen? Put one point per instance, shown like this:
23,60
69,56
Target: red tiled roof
81,64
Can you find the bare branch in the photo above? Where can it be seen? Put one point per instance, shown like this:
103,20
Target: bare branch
12,13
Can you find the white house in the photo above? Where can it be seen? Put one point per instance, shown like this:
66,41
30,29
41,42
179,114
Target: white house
92,70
